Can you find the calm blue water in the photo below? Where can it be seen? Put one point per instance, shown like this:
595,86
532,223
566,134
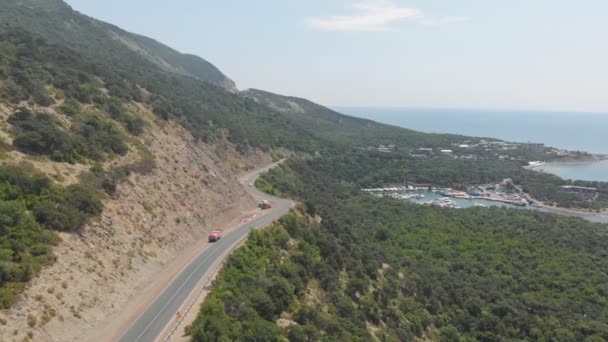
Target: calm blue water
572,131
462,203
588,171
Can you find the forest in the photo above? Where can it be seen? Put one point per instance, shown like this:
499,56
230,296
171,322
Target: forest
29,64
362,168
372,268
383,269
210,112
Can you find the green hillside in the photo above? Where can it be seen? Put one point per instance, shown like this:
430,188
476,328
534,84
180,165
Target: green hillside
183,63
68,88
58,23
177,92
380,269
329,125
345,266
205,109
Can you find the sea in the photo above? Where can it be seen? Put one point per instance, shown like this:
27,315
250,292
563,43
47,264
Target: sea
576,131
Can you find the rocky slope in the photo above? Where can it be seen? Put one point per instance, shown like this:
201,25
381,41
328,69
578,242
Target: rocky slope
151,219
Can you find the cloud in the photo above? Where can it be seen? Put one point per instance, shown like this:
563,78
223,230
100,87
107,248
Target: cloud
373,15
377,16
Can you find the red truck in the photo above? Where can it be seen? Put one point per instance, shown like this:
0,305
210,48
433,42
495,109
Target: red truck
215,235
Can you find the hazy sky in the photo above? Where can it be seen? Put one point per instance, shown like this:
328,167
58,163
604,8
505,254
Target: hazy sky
515,54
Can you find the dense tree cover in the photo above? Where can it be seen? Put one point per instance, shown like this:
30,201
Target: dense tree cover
31,208
372,169
257,119
88,138
29,65
366,168
396,270
32,70
207,110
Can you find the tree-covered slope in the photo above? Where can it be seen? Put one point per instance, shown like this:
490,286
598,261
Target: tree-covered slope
60,107
380,269
208,111
330,125
478,274
252,119
184,63
58,23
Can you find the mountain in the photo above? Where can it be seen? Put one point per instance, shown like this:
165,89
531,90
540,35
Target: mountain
58,23
172,81
330,125
102,182
253,118
186,64
118,152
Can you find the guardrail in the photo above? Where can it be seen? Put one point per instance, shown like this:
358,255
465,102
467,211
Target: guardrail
204,282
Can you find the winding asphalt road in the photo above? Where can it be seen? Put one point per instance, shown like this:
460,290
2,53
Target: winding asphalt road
157,317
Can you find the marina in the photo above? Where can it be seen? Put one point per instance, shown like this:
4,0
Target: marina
480,196
437,197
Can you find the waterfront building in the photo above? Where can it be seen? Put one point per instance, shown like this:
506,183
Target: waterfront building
536,147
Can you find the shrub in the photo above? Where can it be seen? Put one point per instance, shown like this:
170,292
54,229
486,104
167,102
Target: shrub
40,134
105,180
31,320
29,203
117,111
89,137
70,107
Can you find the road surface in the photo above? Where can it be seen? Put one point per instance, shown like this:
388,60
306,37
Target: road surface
163,311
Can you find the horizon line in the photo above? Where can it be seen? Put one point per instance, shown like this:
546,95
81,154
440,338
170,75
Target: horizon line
477,109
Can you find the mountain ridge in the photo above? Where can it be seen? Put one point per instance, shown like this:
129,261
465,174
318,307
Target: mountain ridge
180,142
58,22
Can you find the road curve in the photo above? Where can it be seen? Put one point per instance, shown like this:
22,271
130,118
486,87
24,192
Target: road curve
150,325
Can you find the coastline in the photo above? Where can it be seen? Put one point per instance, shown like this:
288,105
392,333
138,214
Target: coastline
574,170
604,159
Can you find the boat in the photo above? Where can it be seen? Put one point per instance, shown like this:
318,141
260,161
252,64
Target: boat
445,203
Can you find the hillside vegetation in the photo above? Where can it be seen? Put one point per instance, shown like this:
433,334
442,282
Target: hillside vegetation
35,74
31,209
207,110
328,125
381,269
252,119
70,90
348,157
57,22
